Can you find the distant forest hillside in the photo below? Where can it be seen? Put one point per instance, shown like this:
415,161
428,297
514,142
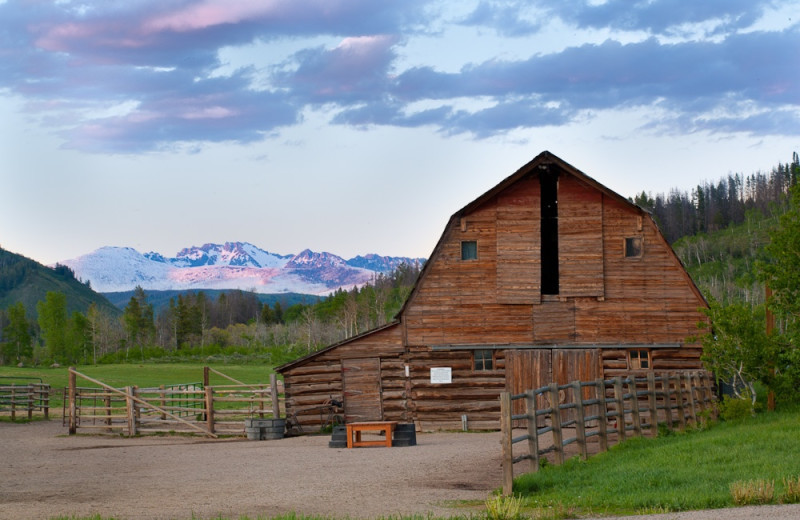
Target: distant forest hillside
26,281
719,230
713,206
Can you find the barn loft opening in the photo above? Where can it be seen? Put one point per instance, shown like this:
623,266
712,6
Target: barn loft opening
548,180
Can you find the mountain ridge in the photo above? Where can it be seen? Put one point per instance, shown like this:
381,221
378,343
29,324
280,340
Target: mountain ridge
231,265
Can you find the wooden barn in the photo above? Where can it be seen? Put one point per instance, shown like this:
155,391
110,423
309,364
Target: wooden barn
548,276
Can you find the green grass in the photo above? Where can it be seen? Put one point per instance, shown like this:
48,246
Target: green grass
673,473
142,375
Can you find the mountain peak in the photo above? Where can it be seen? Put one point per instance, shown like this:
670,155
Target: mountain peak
308,259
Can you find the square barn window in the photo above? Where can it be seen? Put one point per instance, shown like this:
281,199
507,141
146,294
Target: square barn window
469,250
633,247
639,359
483,359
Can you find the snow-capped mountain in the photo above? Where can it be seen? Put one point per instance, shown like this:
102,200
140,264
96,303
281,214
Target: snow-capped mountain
242,254
233,265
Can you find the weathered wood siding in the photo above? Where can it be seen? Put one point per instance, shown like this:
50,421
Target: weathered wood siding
471,393
606,302
313,382
604,297
361,389
456,301
580,238
518,254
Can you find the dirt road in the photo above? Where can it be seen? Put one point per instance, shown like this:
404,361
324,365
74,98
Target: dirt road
46,473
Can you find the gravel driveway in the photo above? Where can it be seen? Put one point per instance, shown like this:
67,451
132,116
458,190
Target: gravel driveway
47,473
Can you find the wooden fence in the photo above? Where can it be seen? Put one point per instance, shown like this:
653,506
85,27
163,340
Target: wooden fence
617,407
189,408
25,399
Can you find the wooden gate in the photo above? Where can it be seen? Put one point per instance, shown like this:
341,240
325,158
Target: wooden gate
535,368
361,381
575,365
526,369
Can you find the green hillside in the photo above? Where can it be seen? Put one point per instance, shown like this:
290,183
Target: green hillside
722,263
27,281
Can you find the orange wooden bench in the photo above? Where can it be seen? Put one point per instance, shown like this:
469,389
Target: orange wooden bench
357,427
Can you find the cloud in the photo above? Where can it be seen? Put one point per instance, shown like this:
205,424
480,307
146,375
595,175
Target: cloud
355,71
144,75
518,18
690,77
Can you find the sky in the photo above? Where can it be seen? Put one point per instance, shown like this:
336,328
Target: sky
360,126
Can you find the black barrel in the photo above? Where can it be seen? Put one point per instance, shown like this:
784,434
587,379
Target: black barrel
405,434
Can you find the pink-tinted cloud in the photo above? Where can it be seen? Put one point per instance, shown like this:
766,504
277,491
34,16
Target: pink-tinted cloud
211,13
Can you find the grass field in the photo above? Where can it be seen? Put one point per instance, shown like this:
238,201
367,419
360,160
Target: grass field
141,375
677,472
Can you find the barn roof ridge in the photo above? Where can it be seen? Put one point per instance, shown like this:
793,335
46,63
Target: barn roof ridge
332,346
544,158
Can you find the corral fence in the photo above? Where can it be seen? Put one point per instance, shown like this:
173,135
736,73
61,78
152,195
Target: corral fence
606,409
24,395
196,408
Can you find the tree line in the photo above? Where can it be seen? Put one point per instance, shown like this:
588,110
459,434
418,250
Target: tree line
712,206
193,324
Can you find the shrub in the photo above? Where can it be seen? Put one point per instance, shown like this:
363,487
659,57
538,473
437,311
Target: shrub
752,492
735,409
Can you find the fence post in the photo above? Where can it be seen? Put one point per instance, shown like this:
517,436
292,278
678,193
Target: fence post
210,408
679,400
620,405
665,390
637,420
108,409
130,410
273,389
651,403
13,402
31,394
602,411
533,430
580,425
73,420
687,379
508,456
46,400
555,417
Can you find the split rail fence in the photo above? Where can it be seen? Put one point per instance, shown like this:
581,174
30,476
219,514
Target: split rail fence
25,399
615,408
195,408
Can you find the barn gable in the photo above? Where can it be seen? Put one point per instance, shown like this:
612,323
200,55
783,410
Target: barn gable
547,276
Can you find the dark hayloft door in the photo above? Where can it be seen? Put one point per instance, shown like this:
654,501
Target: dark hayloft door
361,379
